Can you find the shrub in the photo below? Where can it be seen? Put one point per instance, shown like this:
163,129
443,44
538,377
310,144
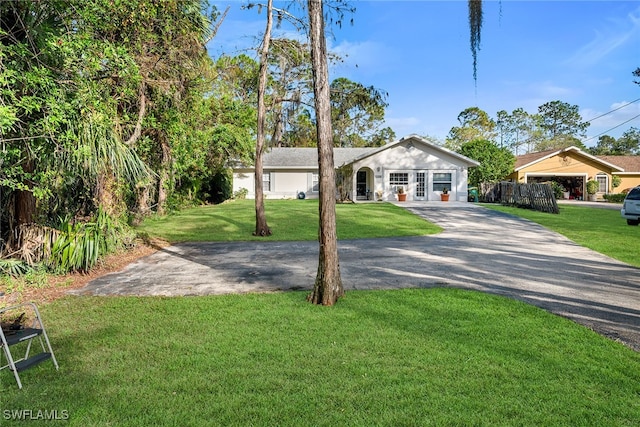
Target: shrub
241,194
615,181
557,189
79,245
614,198
14,267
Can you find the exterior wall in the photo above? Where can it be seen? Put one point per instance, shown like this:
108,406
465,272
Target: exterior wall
569,164
565,165
629,180
409,156
413,158
244,178
285,184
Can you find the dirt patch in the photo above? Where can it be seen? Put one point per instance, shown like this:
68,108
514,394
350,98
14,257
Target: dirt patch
57,286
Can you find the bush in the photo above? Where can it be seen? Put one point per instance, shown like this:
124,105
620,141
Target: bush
79,245
616,181
558,190
241,194
592,186
614,198
14,267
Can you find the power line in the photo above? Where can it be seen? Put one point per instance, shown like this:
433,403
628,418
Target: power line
609,112
615,127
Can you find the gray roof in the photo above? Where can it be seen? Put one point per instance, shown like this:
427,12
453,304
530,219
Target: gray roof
308,157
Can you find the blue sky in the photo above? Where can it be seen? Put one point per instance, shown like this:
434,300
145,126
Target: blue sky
532,52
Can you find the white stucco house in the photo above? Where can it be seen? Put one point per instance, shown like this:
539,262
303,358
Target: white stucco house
422,168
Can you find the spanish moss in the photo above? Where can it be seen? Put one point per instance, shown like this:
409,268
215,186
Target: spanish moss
475,25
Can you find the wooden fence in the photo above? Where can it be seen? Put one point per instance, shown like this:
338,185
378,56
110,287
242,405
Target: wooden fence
538,197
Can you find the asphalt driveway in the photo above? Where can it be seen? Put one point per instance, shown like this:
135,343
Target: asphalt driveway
480,249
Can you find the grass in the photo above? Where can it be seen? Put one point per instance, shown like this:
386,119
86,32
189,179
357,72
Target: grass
384,358
602,230
288,219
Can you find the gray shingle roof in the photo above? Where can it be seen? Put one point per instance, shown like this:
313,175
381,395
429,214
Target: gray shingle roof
308,157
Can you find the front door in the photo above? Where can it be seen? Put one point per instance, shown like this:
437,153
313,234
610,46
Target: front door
361,185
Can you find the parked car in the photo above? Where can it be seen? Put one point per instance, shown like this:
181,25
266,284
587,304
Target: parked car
631,206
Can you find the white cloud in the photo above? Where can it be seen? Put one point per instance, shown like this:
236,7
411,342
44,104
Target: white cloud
550,91
621,114
404,126
366,57
237,36
607,40
435,126
530,95
402,122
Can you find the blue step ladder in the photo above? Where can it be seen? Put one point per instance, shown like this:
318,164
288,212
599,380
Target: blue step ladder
17,334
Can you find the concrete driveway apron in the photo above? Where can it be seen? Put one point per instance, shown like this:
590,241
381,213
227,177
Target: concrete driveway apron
479,249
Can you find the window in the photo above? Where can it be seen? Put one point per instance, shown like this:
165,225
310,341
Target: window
634,194
441,181
315,182
266,182
603,186
398,179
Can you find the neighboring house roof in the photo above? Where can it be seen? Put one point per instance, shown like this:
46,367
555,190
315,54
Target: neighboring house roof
527,160
305,158
532,158
630,164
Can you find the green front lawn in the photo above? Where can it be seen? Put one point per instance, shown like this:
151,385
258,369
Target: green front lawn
404,357
602,230
288,219
387,358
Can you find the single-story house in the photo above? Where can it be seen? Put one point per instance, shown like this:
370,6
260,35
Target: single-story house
572,167
421,168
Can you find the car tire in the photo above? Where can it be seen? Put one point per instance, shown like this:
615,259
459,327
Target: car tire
632,222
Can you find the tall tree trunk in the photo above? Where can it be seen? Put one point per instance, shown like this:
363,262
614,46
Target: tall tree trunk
25,201
262,229
164,175
25,207
278,128
328,285
143,196
277,110
106,188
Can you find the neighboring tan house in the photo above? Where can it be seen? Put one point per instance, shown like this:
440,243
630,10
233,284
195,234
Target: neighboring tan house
420,167
572,168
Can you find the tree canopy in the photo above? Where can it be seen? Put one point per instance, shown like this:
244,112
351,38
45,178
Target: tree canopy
117,108
495,162
357,114
557,124
627,145
474,124
106,108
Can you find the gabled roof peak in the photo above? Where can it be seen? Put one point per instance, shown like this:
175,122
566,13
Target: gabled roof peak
529,159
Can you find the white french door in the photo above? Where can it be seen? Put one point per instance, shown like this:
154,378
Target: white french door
420,185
